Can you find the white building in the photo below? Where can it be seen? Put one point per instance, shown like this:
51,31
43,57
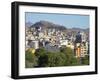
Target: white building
34,44
41,35
70,45
63,42
83,36
84,49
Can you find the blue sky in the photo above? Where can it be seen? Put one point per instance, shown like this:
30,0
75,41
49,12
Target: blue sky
67,20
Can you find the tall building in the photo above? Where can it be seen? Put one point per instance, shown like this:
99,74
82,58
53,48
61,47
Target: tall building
83,35
78,38
81,45
77,48
84,49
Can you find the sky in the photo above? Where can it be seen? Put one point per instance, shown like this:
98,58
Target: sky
67,20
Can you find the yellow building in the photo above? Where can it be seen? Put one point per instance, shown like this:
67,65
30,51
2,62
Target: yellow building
32,50
81,50
78,49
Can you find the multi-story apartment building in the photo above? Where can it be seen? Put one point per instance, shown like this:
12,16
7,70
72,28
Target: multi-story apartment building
81,45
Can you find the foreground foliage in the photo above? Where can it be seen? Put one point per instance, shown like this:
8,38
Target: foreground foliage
44,58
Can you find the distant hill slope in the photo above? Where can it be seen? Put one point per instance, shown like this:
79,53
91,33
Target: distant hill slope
28,24
46,25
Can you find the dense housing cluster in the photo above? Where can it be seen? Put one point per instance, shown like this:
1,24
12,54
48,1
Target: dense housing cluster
52,39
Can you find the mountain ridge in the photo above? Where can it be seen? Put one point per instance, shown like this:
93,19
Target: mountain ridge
47,24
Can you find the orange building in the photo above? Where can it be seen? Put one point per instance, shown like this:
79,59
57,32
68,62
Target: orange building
78,52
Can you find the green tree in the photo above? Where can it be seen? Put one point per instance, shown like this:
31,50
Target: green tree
41,54
29,56
30,59
85,60
50,59
56,59
70,58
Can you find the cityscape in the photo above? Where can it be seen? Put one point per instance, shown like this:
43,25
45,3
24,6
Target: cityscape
51,45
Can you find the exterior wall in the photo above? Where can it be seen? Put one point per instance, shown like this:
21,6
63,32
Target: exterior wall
78,49
81,49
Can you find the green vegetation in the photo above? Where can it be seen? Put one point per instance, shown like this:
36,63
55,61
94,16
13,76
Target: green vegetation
44,58
70,58
85,60
30,59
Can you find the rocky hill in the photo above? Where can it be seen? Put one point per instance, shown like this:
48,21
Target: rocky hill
47,25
